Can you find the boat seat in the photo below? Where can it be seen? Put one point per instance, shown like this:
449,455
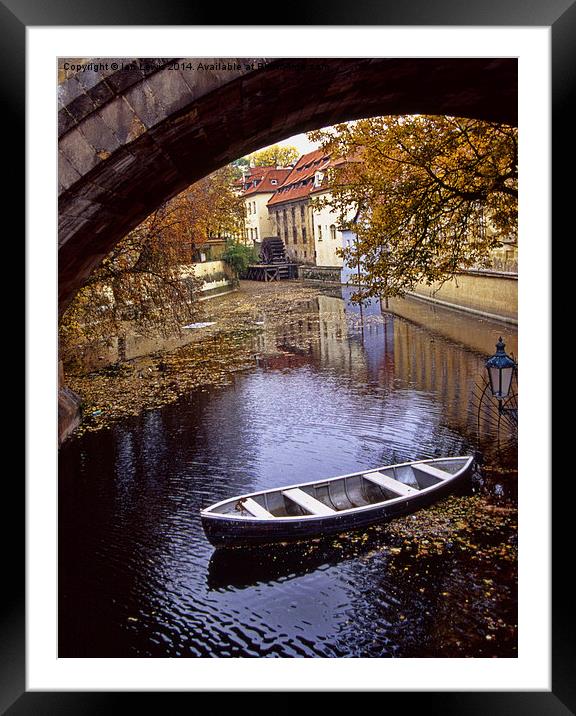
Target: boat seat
433,471
307,502
256,510
378,478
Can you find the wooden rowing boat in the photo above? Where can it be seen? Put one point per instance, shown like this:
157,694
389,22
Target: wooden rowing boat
338,504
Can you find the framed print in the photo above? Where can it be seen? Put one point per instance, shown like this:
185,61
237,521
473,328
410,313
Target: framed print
95,648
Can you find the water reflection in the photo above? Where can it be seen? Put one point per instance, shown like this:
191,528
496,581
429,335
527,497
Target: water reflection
335,392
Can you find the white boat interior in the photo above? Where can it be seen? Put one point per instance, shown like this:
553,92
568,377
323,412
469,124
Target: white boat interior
327,497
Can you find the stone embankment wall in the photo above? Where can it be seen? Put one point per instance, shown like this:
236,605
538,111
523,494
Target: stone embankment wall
325,274
488,293
493,294
217,277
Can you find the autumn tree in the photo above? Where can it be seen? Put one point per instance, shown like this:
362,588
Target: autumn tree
430,195
240,166
274,156
213,209
141,284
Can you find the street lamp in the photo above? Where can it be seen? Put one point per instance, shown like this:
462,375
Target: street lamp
500,369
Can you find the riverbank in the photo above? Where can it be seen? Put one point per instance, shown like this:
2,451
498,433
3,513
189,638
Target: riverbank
215,352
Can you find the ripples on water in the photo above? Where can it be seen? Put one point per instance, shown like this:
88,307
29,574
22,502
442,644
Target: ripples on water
138,578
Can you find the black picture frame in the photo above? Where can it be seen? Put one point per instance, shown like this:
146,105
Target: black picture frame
15,17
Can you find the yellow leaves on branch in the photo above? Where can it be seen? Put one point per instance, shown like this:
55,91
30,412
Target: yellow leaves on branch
275,156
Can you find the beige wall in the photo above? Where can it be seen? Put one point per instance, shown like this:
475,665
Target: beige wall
479,335
489,293
327,238
217,276
257,217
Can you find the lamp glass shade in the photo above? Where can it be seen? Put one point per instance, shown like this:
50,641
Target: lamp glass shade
500,381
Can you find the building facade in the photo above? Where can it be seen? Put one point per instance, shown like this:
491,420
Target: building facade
290,211
311,235
258,186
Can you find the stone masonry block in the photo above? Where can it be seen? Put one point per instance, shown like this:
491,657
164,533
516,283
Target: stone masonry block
80,107
142,99
170,90
119,116
124,78
81,155
100,93
67,175
65,121
89,78
68,91
99,135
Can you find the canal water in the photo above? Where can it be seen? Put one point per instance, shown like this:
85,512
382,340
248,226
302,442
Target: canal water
333,390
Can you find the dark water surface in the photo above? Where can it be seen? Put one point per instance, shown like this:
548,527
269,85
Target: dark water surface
329,395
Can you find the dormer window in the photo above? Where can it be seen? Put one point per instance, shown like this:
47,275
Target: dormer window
273,181
318,179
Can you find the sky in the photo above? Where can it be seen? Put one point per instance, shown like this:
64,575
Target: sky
301,143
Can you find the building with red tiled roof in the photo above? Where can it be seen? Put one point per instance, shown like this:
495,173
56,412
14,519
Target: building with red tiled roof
310,235
307,174
257,188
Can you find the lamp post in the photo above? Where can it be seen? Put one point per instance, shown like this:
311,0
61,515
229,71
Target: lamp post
501,369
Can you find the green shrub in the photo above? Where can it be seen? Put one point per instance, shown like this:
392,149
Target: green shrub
239,257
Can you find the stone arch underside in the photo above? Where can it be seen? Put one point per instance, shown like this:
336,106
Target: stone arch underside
133,138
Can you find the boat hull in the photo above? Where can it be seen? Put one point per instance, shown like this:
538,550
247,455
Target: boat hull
224,532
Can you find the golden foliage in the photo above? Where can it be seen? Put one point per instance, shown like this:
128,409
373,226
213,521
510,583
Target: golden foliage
274,156
431,195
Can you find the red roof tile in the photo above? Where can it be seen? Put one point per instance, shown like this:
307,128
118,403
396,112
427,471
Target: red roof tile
300,182
260,180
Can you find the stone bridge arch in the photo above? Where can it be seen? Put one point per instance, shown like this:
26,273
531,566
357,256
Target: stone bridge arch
133,133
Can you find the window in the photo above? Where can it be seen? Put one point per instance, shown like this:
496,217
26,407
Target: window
332,231
302,211
252,234
295,235
303,234
249,208
319,233
254,206
256,234
293,214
